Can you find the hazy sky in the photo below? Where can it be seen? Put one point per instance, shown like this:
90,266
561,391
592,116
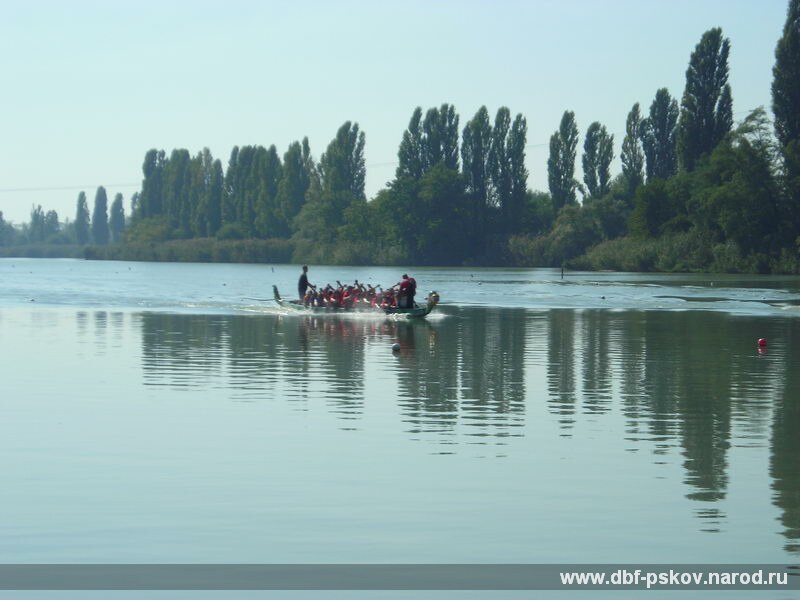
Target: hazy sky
90,86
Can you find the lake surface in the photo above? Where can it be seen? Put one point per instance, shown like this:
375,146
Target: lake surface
171,413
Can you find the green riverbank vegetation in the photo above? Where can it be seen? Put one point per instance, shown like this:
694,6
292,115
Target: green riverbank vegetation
696,192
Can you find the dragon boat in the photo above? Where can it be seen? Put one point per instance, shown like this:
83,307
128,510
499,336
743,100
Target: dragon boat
360,307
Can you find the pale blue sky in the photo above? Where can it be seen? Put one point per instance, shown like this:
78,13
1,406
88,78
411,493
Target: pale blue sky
90,86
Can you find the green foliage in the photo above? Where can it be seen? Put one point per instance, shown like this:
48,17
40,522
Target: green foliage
538,214
706,107
149,230
658,134
82,220
440,218
292,188
197,250
660,207
341,166
786,79
43,250
410,154
632,155
561,162
231,231
506,166
737,195
598,152
8,234
100,232
150,199
116,222
679,252
514,206
42,227
475,148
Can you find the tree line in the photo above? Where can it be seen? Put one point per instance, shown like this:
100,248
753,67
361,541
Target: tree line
696,190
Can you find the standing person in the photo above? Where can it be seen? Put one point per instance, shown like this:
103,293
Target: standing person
406,290
302,283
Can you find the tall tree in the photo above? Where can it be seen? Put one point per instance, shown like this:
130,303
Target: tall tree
517,140
410,152
82,231
475,146
100,217
440,142
786,97
428,142
598,152
292,187
232,176
336,187
561,162
499,167
36,228
177,190
342,165
736,197
270,170
51,224
706,107
509,177
116,221
7,231
786,79
632,155
659,137
207,186
150,199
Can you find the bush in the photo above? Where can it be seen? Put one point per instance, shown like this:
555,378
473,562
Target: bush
231,231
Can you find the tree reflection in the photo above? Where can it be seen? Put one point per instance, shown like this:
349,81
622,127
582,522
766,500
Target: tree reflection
684,384
785,459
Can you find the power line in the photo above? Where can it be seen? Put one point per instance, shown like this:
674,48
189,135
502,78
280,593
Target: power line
66,188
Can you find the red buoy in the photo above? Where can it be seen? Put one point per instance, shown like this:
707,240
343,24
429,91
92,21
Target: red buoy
762,343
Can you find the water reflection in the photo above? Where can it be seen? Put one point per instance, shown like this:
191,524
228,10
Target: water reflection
785,446
688,385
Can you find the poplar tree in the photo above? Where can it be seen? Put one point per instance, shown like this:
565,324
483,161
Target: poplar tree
150,200
269,173
36,228
440,142
598,152
498,159
214,206
336,187
632,155
342,165
100,217
475,146
82,220
506,162
659,137
292,187
517,140
786,95
410,152
561,162
116,222
177,181
428,142
706,107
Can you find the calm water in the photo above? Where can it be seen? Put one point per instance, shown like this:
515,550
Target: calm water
169,413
